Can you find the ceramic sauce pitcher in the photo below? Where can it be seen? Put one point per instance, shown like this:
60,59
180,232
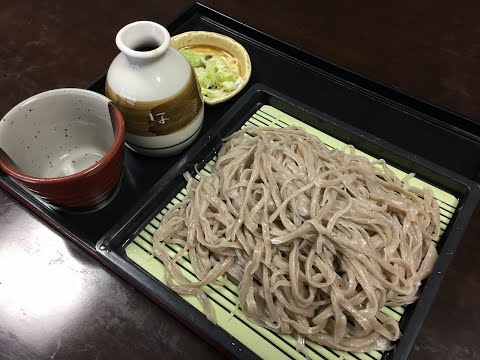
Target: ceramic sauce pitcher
156,90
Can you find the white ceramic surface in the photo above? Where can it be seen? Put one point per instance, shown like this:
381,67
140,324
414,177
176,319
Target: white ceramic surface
58,132
139,78
147,75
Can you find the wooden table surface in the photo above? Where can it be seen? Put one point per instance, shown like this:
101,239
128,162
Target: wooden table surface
57,302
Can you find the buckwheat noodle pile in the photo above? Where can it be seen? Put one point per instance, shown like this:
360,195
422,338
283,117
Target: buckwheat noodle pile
319,240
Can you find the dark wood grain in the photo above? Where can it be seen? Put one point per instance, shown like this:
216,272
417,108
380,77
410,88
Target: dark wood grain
57,302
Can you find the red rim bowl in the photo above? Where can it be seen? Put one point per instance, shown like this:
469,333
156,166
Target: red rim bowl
84,188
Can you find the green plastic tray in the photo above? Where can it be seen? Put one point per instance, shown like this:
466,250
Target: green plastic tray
265,343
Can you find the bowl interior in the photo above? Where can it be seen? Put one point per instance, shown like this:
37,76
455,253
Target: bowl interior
57,133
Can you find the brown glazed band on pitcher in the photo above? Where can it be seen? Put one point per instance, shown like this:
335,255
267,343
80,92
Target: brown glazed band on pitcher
154,118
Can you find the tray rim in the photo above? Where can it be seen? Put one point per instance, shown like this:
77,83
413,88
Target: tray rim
392,95
419,312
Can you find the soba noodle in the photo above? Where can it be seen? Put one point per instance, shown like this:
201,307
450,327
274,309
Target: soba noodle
319,240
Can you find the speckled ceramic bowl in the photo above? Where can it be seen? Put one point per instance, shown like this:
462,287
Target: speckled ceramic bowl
66,146
225,43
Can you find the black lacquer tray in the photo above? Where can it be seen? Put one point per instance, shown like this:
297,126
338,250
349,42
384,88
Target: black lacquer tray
378,120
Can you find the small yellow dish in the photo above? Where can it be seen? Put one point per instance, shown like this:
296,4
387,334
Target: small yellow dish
210,39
